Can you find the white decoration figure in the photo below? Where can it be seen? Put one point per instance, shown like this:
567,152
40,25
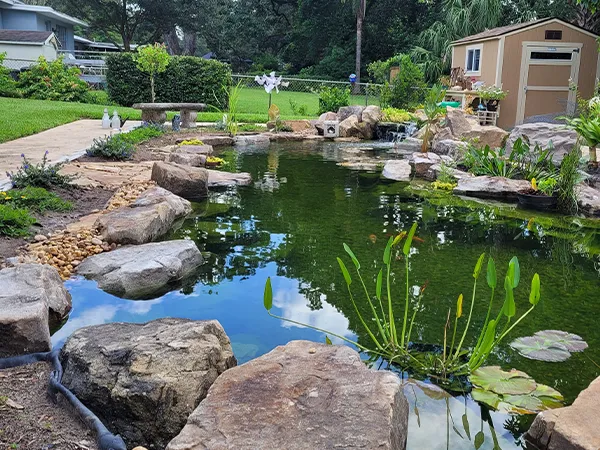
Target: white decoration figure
106,119
116,121
271,82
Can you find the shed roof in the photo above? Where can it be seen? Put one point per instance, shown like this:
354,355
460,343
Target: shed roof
501,31
25,37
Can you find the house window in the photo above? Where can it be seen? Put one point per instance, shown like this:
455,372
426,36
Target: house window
61,34
473,63
553,35
48,25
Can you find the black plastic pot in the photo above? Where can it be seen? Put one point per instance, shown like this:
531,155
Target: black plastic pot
492,105
538,202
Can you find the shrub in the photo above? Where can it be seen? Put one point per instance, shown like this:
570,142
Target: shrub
42,174
34,198
396,115
111,147
14,222
52,81
299,110
8,86
96,97
407,89
143,133
333,98
186,79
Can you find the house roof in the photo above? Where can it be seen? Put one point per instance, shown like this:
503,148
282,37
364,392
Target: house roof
42,10
501,31
25,37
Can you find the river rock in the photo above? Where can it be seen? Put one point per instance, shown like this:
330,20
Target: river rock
195,149
490,187
408,146
301,396
346,111
143,380
142,271
187,159
450,147
589,200
219,179
32,299
188,182
151,216
468,128
372,115
423,161
259,140
572,428
563,139
397,170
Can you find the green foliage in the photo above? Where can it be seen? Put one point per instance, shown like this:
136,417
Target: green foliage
433,111
407,89
96,97
569,176
143,133
548,186
231,116
300,110
186,79
588,126
52,81
393,345
34,198
491,93
42,174
112,147
8,86
152,59
14,222
396,115
333,98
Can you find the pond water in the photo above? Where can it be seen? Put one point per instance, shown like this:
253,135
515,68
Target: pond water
290,226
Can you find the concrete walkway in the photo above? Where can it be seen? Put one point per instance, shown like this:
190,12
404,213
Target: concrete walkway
64,143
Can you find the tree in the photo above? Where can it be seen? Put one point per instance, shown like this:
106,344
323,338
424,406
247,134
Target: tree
361,9
152,59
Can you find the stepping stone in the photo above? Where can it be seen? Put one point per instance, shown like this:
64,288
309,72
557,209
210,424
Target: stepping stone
219,179
490,187
188,182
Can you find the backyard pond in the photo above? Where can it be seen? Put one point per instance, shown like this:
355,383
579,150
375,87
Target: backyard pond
290,225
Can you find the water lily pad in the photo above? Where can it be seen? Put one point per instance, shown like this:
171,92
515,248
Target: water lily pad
572,342
546,391
488,398
494,379
541,349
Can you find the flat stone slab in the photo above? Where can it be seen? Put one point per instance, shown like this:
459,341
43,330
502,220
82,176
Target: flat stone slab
397,170
32,299
490,187
189,159
195,149
188,182
143,380
151,216
572,428
301,396
251,139
219,179
142,271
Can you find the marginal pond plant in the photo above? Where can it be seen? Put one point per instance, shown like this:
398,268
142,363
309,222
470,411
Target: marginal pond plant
390,336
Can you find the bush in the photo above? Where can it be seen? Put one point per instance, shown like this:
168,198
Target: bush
407,89
187,79
14,222
52,81
143,133
8,86
35,199
39,175
111,147
95,97
396,115
333,98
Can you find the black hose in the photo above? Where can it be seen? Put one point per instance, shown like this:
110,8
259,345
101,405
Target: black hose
104,438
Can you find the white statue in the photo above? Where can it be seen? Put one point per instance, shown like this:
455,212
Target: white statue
116,121
106,119
271,82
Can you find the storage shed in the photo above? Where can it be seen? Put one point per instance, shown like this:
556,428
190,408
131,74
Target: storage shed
23,48
537,62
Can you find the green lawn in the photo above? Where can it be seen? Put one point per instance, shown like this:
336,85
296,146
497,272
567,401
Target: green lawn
23,117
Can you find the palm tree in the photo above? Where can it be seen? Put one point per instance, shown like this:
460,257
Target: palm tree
361,9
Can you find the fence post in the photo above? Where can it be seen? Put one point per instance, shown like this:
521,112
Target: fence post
367,94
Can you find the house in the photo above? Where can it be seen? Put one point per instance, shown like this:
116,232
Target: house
539,63
27,31
86,45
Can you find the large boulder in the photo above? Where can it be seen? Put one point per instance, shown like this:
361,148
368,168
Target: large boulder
543,133
346,111
220,179
187,159
490,187
423,161
372,115
450,147
589,200
329,116
143,271
352,127
572,428
301,396
397,170
151,216
468,128
143,380
188,182
32,299
255,140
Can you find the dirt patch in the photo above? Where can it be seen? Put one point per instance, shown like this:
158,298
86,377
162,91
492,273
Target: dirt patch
85,201
30,420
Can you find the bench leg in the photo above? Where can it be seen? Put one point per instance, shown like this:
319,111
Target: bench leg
188,118
154,116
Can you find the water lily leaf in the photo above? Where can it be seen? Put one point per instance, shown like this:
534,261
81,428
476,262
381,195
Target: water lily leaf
488,398
538,348
493,378
546,391
525,402
572,342
479,440
507,408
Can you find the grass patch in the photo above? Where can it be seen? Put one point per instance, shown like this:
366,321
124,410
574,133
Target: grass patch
15,222
34,199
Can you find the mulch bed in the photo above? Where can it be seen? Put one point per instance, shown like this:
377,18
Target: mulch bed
30,420
85,201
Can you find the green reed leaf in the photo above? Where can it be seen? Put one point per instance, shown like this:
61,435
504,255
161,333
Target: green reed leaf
268,295
345,272
409,239
352,257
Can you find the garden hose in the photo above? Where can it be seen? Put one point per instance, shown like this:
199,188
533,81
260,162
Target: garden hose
104,438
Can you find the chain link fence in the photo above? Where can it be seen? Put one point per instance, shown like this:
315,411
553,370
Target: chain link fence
361,93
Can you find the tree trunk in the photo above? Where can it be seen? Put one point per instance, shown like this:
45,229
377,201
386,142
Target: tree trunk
189,43
152,88
360,16
172,42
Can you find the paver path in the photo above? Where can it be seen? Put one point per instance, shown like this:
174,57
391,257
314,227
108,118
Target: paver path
65,142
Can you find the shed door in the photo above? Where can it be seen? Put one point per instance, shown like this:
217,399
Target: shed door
546,74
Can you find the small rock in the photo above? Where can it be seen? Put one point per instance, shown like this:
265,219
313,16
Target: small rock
12,404
40,238
96,241
397,170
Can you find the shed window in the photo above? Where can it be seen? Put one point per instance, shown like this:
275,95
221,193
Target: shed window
553,35
473,59
562,56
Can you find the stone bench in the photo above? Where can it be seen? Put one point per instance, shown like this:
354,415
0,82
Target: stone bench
157,112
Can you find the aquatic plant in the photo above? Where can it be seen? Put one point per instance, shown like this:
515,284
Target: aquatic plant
390,339
432,111
549,345
569,177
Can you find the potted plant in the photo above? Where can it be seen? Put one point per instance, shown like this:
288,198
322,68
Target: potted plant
491,96
587,126
541,196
